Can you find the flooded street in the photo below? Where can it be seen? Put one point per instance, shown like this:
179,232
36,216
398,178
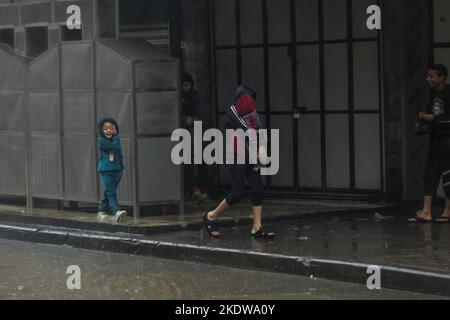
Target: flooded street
381,239
36,271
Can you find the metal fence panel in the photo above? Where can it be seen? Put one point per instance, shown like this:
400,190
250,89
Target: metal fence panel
156,75
46,165
44,71
12,164
77,66
159,178
12,72
112,71
45,112
80,168
78,114
157,112
11,111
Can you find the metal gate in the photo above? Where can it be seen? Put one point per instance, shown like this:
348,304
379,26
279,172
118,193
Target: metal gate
316,59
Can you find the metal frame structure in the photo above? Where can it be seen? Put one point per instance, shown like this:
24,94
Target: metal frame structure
153,78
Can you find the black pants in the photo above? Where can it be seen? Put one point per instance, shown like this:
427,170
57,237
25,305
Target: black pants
239,172
438,165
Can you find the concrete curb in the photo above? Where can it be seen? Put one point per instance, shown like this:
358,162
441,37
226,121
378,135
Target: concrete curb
391,277
12,217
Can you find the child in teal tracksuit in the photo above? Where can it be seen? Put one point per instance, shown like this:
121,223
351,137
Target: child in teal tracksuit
110,167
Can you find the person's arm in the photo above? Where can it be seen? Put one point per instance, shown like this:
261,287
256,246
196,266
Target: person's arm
259,126
440,122
110,145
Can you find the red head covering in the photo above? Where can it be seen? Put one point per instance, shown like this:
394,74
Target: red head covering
245,105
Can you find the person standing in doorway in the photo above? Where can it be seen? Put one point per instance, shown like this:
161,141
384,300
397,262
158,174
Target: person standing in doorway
437,118
192,172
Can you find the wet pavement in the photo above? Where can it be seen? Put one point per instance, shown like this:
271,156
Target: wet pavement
168,215
36,271
381,239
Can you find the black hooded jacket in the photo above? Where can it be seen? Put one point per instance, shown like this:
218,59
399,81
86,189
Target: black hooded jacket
190,100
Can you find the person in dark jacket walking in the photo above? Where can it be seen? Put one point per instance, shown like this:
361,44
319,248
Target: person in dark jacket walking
437,118
242,115
110,168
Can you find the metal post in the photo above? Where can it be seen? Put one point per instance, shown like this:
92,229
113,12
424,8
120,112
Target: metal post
181,187
28,144
61,123
134,146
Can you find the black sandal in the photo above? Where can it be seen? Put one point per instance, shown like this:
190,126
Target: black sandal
261,234
210,226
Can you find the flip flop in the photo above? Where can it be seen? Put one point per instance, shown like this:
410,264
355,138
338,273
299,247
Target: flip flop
418,218
442,219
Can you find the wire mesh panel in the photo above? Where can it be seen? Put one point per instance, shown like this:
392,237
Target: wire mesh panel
12,122
77,65
12,164
78,114
116,105
12,111
46,168
45,112
80,168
